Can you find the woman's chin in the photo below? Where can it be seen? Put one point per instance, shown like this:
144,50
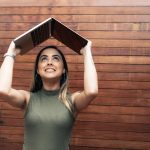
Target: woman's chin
51,77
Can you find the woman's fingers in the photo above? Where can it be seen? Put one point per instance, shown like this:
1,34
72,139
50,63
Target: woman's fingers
12,49
86,47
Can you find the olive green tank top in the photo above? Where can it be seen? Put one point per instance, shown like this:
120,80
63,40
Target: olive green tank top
48,123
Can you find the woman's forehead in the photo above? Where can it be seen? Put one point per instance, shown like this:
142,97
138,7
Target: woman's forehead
50,52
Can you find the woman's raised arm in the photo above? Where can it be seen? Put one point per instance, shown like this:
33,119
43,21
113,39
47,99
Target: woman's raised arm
82,99
14,97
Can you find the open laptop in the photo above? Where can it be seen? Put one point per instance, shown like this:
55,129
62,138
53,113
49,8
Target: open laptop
46,29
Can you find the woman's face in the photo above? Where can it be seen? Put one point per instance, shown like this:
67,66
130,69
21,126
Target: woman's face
50,65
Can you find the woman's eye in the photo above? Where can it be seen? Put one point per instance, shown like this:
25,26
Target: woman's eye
56,58
43,59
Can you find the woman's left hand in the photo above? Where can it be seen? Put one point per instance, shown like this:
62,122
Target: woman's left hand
86,48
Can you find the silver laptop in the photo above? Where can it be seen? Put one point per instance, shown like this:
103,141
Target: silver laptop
46,29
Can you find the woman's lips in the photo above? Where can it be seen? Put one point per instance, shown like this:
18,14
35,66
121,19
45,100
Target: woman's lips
50,70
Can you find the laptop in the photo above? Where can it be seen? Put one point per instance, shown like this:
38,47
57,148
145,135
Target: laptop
46,29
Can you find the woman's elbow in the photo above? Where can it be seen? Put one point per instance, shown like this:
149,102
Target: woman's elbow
4,91
93,93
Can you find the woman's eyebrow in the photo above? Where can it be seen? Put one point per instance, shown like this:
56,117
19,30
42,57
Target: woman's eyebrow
57,56
43,56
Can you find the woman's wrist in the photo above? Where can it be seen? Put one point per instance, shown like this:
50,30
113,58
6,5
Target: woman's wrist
12,51
86,51
8,54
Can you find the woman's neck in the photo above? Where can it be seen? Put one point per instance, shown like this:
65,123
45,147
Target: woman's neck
51,85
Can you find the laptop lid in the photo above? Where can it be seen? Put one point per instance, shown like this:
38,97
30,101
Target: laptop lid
44,30
67,36
34,36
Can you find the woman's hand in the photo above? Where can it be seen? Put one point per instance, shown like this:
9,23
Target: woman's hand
13,50
86,48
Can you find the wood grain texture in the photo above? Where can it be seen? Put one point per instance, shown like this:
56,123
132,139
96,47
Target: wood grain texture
77,18
76,10
118,119
75,3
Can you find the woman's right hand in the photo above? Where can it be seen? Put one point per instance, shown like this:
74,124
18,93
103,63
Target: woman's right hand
13,50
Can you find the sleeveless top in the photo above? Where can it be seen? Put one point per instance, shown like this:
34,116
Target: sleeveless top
48,123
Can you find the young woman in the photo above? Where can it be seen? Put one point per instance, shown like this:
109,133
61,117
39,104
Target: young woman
50,110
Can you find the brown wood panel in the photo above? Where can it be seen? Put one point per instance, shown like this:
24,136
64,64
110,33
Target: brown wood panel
114,118
111,143
117,110
11,114
18,28
118,35
8,146
110,135
74,3
12,138
78,18
75,10
112,93
113,26
117,101
109,126
11,130
90,148
11,122
125,85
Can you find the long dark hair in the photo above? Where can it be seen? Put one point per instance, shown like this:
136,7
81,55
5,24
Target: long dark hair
37,83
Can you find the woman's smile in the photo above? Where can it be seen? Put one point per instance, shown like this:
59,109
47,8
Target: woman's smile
50,69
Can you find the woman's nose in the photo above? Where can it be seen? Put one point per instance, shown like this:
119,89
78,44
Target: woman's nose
50,62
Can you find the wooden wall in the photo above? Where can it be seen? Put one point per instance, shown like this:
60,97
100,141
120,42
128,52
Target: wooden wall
119,118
